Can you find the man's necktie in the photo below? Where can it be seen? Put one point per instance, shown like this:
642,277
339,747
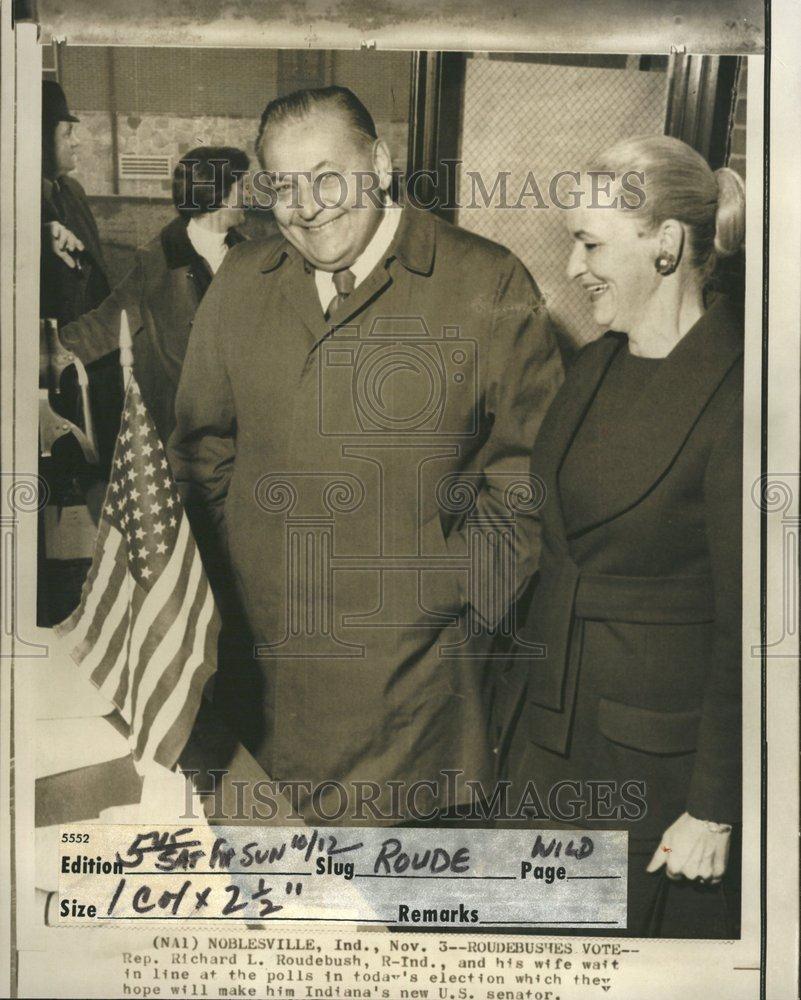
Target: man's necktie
344,282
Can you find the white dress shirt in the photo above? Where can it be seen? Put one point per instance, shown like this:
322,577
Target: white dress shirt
210,245
363,265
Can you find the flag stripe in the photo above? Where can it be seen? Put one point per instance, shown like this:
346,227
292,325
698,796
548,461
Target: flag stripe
114,655
121,669
102,623
158,654
155,652
170,675
155,600
172,744
77,625
185,695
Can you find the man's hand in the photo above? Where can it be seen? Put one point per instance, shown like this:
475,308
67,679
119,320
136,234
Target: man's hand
63,242
694,849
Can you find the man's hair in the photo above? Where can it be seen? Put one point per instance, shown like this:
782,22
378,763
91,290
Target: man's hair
204,176
300,104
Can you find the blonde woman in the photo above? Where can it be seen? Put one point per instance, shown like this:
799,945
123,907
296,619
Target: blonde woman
638,602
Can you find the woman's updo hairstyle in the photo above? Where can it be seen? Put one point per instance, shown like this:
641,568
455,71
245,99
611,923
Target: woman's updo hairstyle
679,184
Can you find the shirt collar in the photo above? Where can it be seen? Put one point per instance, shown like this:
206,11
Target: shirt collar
202,237
373,254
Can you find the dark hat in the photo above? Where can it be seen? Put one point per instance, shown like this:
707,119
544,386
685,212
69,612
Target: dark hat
54,103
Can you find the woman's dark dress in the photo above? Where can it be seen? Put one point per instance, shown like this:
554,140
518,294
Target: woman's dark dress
639,602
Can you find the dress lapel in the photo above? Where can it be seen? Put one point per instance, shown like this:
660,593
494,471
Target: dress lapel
564,419
663,417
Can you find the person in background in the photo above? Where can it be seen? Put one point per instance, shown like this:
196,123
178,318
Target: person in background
74,274
639,598
73,279
169,278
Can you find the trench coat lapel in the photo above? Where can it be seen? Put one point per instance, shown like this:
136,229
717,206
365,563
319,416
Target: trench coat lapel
299,291
414,246
364,293
296,281
660,421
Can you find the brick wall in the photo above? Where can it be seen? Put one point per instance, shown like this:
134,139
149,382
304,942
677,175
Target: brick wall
162,102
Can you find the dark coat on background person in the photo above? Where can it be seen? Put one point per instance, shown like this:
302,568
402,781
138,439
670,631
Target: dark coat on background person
639,602
160,295
287,431
68,292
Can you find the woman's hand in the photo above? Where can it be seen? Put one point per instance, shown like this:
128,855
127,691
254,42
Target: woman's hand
694,849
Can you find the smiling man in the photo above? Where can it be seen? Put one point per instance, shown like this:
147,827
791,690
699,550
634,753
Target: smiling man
355,416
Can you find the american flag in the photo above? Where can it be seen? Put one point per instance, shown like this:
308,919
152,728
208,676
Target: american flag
146,628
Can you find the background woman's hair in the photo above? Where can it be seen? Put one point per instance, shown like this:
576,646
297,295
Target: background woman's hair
204,176
679,184
300,104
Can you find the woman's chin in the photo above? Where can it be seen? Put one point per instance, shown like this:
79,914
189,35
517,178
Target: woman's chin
603,317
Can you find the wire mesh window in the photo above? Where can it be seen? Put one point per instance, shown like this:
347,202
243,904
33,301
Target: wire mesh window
522,116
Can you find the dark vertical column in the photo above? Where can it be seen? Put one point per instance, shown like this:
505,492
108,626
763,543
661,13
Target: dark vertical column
112,103
435,128
701,91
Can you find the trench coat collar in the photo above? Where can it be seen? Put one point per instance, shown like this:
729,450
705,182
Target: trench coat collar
415,242
658,425
414,246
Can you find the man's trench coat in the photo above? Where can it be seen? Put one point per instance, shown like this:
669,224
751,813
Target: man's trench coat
364,476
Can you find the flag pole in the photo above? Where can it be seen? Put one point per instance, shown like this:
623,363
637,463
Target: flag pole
126,349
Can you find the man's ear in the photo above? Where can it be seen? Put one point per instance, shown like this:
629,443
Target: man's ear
382,164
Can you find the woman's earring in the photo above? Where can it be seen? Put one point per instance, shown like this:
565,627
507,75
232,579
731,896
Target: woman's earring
666,263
